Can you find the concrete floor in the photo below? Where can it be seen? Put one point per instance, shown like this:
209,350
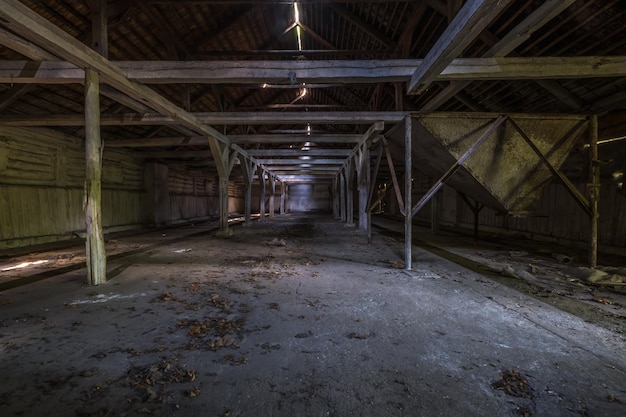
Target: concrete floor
192,325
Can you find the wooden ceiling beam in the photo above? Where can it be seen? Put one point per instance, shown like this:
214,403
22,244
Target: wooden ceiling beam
216,118
296,153
294,161
467,25
238,139
311,72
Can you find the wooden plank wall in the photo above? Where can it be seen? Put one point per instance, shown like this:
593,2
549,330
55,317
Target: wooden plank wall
556,217
194,195
42,182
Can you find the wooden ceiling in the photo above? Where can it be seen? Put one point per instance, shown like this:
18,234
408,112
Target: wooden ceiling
279,81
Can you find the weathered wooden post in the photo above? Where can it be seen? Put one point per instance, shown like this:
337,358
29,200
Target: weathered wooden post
594,191
349,193
262,195
248,168
272,195
283,197
96,254
408,221
363,178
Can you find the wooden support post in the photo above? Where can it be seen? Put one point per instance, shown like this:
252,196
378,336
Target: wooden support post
342,196
476,210
96,254
224,162
248,168
475,207
408,189
272,195
372,186
283,196
262,195
350,193
364,178
434,213
594,190
335,189
224,231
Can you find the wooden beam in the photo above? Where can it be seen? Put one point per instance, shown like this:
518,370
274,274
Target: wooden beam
291,161
99,27
518,35
299,153
226,118
475,16
238,139
282,73
175,154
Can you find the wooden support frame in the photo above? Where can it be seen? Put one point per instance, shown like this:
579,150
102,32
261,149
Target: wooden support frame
476,208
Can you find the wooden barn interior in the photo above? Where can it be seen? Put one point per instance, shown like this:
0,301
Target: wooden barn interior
313,207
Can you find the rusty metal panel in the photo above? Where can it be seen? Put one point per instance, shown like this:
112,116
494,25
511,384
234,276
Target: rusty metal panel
503,173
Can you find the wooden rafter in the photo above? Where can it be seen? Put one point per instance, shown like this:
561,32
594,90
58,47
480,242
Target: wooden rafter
464,28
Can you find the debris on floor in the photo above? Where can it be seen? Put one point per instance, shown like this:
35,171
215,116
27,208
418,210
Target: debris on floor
275,242
513,383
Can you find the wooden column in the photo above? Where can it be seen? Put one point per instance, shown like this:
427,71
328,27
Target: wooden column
435,207
349,193
96,254
594,190
262,195
249,169
283,196
335,189
408,221
224,161
272,195
342,196
364,185
224,231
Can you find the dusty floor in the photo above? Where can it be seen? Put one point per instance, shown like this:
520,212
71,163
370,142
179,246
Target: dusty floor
322,326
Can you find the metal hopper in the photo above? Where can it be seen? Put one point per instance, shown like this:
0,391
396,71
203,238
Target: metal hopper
496,164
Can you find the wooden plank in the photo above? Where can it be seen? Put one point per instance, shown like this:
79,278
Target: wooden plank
471,20
4,155
175,155
222,118
317,72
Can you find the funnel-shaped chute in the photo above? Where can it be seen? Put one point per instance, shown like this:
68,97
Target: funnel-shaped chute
503,172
